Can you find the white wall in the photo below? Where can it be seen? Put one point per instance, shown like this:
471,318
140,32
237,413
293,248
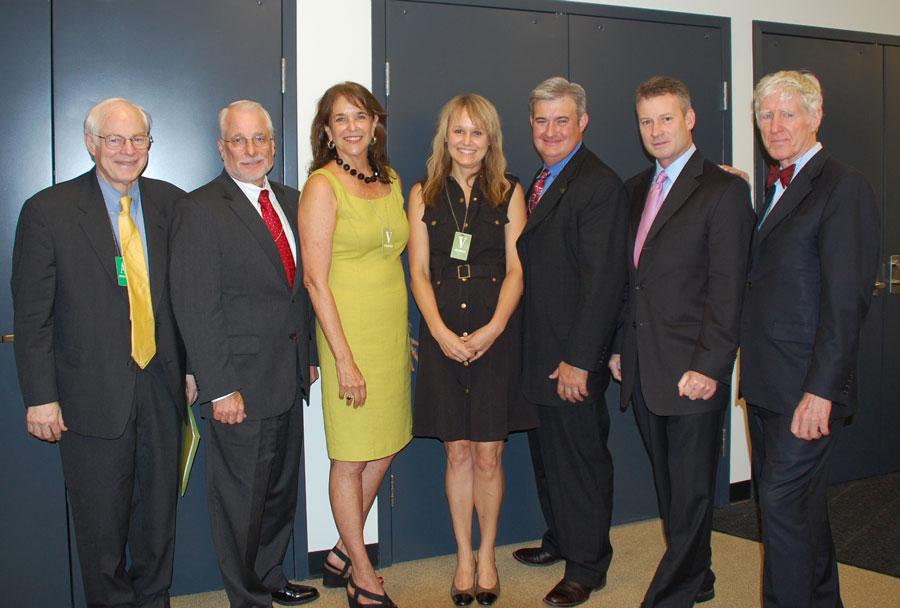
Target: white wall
335,44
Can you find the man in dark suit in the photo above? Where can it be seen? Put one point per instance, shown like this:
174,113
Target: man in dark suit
813,264
573,255
237,291
98,355
689,236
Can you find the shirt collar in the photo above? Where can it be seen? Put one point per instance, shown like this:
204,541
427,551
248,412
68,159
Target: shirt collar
111,196
251,191
676,166
805,158
558,167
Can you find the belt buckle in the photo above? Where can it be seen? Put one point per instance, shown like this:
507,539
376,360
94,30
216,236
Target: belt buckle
468,270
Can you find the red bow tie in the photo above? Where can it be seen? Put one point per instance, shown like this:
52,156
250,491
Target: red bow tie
782,175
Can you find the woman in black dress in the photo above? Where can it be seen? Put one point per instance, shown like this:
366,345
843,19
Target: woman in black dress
466,278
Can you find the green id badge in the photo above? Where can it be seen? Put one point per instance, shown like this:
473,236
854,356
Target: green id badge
461,243
120,272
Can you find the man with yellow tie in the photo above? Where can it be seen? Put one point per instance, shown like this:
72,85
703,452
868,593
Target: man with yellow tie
98,355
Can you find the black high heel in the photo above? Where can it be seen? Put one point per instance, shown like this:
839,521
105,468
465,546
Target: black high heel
353,599
486,596
331,576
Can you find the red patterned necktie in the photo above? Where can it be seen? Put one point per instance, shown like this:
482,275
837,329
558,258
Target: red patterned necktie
537,190
277,231
777,174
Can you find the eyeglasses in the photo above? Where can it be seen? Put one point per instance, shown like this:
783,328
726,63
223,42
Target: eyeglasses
239,141
115,142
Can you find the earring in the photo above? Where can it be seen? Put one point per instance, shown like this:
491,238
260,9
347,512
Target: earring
374,139
330,144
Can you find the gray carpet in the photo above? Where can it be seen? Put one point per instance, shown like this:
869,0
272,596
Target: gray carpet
865,522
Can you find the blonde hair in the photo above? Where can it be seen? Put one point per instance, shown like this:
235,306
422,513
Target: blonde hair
482,112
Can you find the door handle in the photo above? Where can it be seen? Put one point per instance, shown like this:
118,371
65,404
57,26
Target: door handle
8,338
894,275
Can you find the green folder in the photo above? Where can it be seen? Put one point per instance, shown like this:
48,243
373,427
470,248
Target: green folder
190,440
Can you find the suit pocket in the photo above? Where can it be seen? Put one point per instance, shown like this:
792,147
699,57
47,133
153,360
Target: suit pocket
793,332
243,344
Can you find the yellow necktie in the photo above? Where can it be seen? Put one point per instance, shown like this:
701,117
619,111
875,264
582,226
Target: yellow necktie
143,333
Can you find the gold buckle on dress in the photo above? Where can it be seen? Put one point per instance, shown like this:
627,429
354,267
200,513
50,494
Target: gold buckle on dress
459,272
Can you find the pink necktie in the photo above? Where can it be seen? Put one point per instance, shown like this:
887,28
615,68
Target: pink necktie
651,208
270,217
537,190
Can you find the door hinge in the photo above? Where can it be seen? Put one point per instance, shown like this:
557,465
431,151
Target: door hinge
724,95
393,489
283,75
387,78
724,443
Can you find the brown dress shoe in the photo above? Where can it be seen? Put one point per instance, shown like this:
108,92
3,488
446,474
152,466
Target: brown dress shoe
569,593
535,556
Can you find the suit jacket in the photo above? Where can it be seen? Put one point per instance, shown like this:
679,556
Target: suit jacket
573,256
72,323
684,300
244,327
812,268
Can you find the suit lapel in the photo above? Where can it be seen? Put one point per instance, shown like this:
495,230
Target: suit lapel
96,225
247,214
798,189
678,194
554,193
157,254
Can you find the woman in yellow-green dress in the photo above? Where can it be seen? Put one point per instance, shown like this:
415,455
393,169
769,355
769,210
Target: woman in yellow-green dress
352,231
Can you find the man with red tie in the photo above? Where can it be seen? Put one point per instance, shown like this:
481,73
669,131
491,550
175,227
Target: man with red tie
573,256
812,267
238,295
689,234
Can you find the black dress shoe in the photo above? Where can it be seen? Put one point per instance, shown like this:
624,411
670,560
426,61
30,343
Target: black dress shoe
293,594
569,593
535,556
708,591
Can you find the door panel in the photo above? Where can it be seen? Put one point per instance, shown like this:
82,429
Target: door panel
488,62
692,54
889,423
852,132
181,61
33,508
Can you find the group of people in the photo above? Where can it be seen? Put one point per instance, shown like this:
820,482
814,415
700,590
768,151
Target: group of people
240,293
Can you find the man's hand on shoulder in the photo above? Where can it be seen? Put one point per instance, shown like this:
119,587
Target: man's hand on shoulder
811,417
572,382
45,421
229,409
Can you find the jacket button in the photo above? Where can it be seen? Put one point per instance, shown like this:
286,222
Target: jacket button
633,325
749,284
638,287
292,336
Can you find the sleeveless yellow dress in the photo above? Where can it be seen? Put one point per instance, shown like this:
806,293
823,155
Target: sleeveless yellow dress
369,289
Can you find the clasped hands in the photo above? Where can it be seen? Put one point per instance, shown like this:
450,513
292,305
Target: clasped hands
692,385
468,347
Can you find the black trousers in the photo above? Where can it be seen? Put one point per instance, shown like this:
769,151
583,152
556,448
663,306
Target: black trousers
684,455
123,492
574,474
252,471
791,476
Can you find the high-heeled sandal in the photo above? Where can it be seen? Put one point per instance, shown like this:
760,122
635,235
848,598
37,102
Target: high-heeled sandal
353,599
333,578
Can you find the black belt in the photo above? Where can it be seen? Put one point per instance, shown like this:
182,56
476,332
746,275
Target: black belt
470,271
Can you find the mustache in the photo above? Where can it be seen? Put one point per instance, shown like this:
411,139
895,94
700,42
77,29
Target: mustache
252,159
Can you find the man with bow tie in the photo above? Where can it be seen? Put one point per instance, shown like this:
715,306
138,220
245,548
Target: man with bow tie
813,263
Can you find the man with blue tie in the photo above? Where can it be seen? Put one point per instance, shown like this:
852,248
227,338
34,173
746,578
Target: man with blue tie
689,235
813,264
